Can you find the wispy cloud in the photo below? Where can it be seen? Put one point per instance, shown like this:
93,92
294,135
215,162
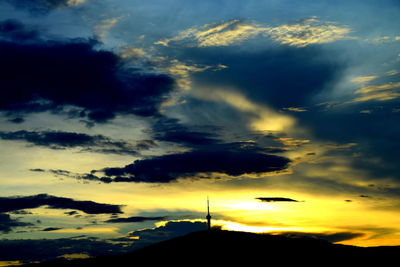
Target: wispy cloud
295,109
87,143
307,32
380,92
363,79
383,39
182,72
105,25
299,34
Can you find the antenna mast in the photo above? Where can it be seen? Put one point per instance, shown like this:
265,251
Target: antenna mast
208,217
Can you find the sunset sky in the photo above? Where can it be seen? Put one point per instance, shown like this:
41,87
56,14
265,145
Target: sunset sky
119,117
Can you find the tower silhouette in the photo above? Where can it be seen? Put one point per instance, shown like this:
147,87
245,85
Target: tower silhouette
208,217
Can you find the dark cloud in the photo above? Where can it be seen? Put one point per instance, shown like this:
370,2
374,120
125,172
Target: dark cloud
251,146
135,219
79,176
70,213
171,130
169,230
285,77
39,6
167,168
37,170
206,137
77,78
278,76
7,223
49,229
88,143
8,204
276,199
13,30
17,120
376,135
20,212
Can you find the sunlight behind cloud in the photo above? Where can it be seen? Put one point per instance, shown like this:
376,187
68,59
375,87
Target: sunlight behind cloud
262,118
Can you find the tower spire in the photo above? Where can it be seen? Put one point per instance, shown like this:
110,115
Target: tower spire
208,217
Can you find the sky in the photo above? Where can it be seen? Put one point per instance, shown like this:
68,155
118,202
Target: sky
118,119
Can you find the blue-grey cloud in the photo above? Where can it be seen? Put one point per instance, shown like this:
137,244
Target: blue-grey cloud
376,135
135,219
8,204
276,199
14,30
7,223
171,130
49,229
169,230
17,120
88,143
281,77
167,168
77,78
42,6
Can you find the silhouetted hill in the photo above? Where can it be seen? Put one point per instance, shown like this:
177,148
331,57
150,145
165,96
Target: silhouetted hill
239,248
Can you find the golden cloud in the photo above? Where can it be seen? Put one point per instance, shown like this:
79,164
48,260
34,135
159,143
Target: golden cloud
363,79
382,92
301,34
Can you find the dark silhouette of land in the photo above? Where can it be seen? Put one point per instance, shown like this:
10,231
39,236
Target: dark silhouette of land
223,248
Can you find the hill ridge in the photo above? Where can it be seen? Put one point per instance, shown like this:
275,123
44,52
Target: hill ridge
231,247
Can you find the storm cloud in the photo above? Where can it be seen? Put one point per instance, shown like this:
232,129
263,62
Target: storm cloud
280,77
8,204
167,168
77,78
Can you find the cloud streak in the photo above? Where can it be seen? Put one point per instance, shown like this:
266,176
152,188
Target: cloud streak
379,92
298,34
195,164
276,199
8,204
168,168
136,219
88,143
